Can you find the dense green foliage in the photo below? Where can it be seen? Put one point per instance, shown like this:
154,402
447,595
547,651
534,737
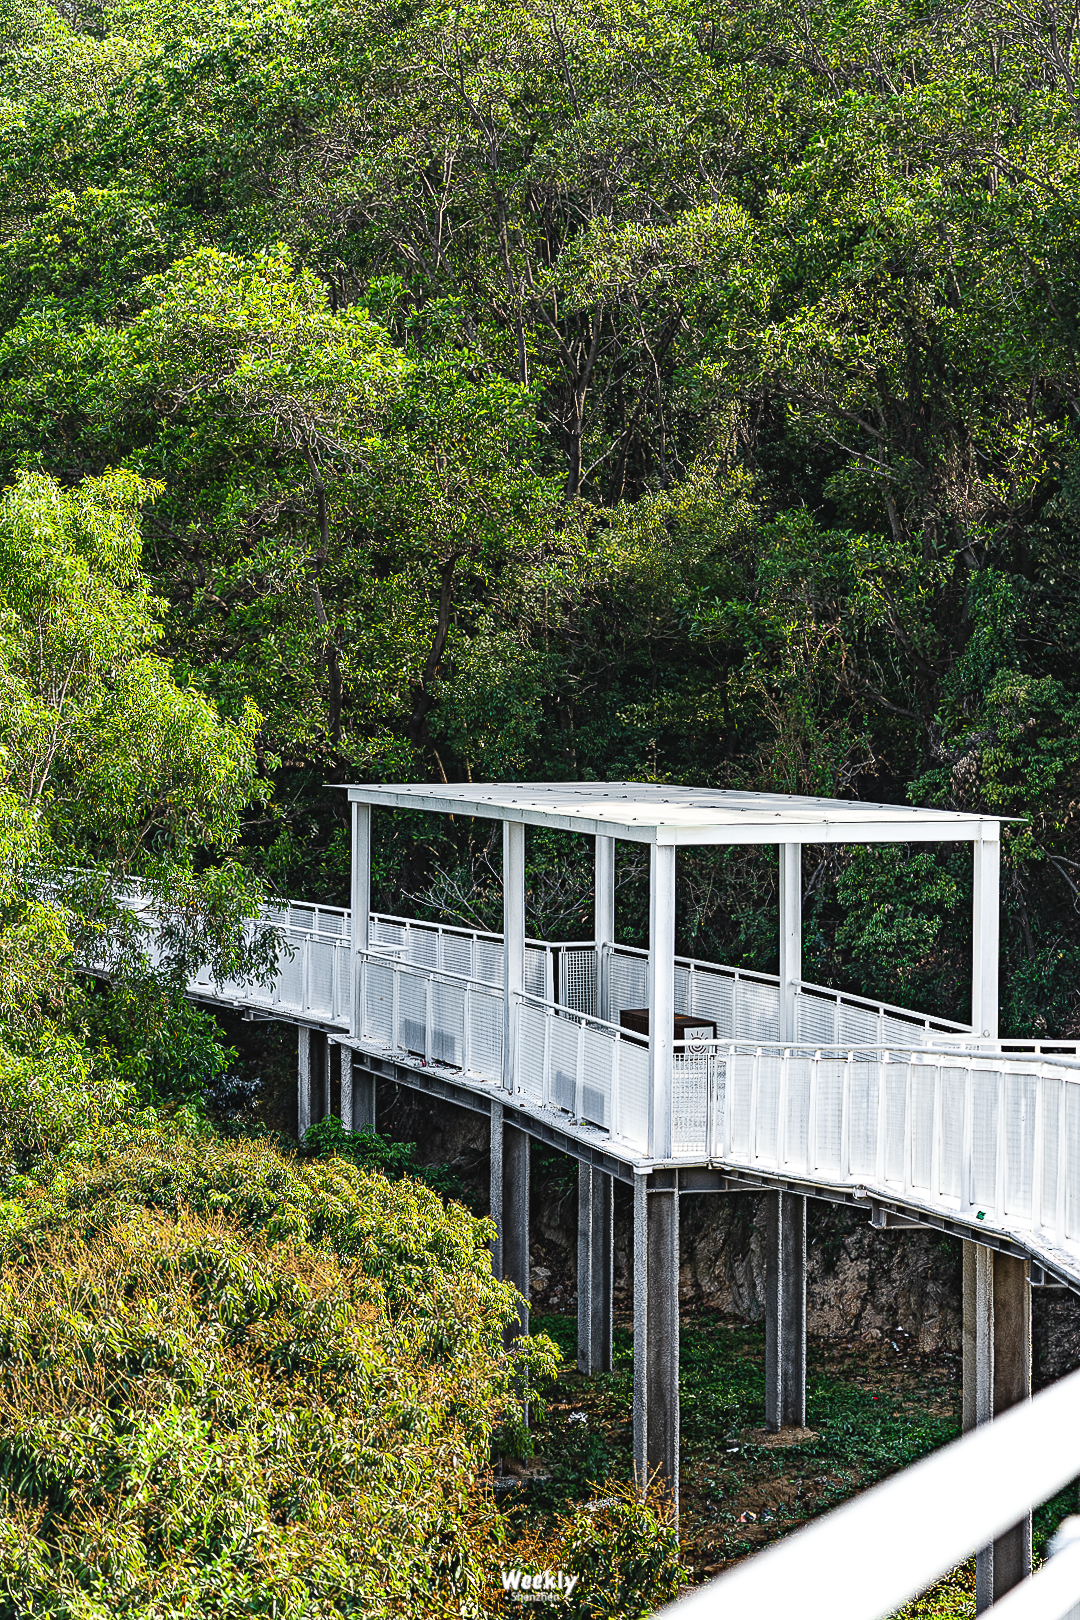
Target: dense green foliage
610,391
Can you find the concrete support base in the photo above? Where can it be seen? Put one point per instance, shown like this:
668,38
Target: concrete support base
303,1083
785,1311
596,1199
357,1095
997,1375
656,1335
510,1208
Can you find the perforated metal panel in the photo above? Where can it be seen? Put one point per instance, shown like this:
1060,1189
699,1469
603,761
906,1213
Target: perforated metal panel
320,1000
757,1011
1072,1160
291,983
378,1003
984,1138
529,1068
953,1087
797,1131
485,1035
712,998
922,1125
740,1087
830,1105
901,1035
628,983
815,1020
633,1108
536,972
457,955
690,1102
768,1108
597,1057
1053,1131
1019,1142
412,1013
682,988
564,1059
895,1114
862,1119
423,945
488,963
448,1023
858,1026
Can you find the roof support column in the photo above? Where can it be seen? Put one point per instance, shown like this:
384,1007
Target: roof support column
984,955
661,995
513,941
360,902
997,1375
604,921
790,938
785,1311
596,1197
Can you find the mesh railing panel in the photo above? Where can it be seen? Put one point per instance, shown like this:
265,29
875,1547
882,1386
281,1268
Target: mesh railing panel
757,1011
411,1032
536,972
378,1023
711,997
797,1123
984,1137
815,1020
950,1167
922,1125
690,1074
628,983
485,1035
862,1119
768,1107
740,1090
633,1121
895,1110
564,1057
597,1061
457,955
529,1069
830,1110
448,1023
488,961
320,999
577,979
1019,1142
1072,1161
1052,1133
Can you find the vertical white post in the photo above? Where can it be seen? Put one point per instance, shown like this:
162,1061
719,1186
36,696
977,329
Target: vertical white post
604,920
984,955
513,940
661,995
790,938
360,902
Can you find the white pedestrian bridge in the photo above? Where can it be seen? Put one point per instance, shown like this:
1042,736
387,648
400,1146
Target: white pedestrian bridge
673,1076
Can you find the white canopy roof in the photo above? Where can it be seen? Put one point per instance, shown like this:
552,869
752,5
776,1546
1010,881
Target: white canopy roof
649,813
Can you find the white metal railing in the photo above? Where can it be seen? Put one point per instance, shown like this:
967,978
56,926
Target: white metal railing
591,1069
991,1137
866,1559
438,1016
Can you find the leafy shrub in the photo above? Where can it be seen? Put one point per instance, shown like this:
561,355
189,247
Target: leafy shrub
234,1384
329,1138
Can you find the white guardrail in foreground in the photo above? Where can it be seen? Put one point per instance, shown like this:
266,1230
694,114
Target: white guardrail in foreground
868,1558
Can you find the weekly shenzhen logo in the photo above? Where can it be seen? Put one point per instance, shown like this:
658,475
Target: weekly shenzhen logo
538,1586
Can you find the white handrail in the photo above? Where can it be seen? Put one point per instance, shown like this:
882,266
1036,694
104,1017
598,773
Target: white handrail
866,1559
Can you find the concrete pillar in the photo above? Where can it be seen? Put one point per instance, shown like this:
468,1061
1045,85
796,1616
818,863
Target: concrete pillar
357,1094
997,1375
604,921
661,995
785,1311
318,1075
790,938
984,954
596,1198
656,1334
303,1082
513,941
509,1207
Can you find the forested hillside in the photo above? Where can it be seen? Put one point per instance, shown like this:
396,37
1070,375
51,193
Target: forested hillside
616,390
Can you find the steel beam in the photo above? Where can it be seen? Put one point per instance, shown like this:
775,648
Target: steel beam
997,1375
596,1198
785,1311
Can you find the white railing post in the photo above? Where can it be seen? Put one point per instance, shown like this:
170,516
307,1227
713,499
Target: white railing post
360,902
513,942
661,996
984,955
790,938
